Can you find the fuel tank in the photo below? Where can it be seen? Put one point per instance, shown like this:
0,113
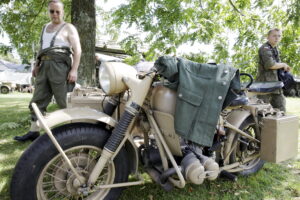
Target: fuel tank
163,102
163,99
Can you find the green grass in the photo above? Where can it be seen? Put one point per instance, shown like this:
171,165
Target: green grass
274,181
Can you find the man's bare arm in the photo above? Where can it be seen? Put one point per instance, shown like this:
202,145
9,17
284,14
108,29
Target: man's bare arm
74,40
283,66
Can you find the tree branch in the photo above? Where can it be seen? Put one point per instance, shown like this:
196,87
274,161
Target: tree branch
200,2
235,8
40,10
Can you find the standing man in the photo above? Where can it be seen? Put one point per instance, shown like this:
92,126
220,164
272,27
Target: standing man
269,64
56,66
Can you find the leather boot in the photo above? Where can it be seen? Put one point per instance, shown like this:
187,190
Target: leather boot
31,135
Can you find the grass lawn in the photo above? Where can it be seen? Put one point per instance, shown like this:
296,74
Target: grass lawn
274,181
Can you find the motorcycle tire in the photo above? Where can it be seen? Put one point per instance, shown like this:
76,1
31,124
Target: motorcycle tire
41,164
254,165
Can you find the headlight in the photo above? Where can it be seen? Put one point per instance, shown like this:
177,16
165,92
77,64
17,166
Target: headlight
104,79
111,74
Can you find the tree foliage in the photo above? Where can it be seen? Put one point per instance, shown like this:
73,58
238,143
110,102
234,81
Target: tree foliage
235,28
23,20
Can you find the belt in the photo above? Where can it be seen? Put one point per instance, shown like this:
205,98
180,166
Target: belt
46,57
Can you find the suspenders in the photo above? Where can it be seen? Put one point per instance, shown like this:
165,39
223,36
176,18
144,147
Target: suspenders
275,53
54,37
41,39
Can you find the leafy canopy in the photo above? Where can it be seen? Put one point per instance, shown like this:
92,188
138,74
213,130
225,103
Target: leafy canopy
236,29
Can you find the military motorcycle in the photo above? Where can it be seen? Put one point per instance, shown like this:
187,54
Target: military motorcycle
88,154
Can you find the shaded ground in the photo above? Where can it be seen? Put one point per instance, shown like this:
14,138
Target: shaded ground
274,181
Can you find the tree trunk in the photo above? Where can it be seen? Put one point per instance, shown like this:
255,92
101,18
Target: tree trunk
83,14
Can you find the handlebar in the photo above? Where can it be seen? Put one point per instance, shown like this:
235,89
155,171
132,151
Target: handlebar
251,79
143,75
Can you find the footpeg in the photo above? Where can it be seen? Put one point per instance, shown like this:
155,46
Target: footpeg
155,175
228,175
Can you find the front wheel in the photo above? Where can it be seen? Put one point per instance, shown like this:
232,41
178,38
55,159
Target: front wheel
42,173
244,148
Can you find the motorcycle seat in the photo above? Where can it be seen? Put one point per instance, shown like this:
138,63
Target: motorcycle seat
239,101
265,87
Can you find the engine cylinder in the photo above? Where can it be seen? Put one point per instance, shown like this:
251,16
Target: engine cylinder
212,169
193,169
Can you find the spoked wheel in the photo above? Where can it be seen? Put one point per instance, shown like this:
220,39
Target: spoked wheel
57,181
246,148
42,173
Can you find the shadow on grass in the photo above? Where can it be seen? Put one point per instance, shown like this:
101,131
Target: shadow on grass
10,152
272,182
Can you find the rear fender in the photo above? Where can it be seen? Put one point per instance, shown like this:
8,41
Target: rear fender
235,118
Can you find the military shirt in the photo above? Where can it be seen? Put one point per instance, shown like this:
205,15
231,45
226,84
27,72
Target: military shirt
201,90
268,57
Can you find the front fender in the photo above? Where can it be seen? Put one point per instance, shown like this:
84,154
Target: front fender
73,115
88,115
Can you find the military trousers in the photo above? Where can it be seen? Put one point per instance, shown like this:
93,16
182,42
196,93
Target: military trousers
276,100
51,80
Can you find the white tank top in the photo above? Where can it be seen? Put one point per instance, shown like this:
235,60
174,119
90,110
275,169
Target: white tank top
47,37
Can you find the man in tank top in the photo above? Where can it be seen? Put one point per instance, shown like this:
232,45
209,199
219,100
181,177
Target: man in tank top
56,65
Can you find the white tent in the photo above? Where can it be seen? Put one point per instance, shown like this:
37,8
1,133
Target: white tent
4,65
15,77
14,73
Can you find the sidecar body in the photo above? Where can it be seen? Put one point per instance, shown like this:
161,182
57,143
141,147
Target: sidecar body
279,138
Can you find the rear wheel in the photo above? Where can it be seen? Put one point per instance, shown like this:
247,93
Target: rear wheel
245,148
292,92
42,173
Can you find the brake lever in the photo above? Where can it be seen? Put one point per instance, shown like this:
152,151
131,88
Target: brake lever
152,70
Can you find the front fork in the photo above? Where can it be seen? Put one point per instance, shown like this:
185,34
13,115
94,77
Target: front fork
40,117
113,142
139,90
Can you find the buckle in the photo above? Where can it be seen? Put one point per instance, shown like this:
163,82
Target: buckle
45,57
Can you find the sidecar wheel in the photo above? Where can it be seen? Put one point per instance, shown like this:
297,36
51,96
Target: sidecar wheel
42,173
243,151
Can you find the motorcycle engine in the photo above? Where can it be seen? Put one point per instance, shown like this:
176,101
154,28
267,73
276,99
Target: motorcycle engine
197,167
